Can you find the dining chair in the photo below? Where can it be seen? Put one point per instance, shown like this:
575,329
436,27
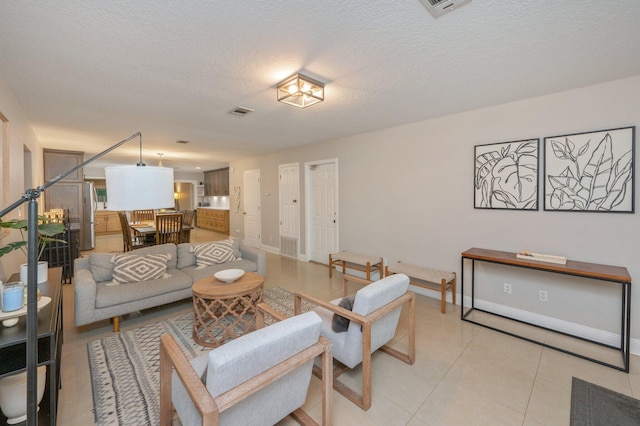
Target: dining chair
187,220
168,228
131,239
142,215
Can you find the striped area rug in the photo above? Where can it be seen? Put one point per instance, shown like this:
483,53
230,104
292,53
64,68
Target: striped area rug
125,367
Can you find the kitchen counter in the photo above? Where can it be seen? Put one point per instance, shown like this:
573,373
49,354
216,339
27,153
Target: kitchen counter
212,218
107,222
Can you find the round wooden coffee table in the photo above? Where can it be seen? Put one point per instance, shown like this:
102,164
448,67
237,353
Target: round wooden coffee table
222,311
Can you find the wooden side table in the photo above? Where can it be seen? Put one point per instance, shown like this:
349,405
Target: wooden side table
222,311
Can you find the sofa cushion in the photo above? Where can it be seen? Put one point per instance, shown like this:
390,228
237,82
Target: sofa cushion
214,252
101,267
169,248
131,268
107,296
187,257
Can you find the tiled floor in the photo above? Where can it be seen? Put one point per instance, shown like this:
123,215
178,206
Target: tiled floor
463,374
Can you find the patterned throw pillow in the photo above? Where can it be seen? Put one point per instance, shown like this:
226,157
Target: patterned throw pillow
130,268
213,253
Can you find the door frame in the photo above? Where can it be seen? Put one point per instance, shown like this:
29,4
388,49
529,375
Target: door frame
307,205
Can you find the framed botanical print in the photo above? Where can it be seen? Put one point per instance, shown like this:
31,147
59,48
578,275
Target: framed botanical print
506,175
590,171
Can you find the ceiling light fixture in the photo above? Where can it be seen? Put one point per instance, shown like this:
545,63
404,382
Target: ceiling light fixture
300,91
160,154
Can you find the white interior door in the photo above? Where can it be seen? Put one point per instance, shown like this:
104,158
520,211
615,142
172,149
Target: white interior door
323,220
252,217
289,188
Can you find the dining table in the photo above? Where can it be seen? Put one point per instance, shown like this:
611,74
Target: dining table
147,230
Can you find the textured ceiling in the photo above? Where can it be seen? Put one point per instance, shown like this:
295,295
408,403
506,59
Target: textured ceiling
90,73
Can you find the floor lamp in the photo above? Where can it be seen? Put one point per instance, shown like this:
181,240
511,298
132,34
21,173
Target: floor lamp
152,189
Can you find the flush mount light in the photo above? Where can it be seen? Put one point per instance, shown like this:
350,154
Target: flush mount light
300,91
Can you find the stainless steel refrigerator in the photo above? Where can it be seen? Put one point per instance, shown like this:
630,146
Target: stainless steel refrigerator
89,213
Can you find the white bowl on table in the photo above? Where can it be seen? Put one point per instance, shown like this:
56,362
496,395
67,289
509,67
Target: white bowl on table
229,275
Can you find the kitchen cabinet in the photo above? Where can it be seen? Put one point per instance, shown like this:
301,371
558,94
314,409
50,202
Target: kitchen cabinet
67,193
213,219
216,182
67,196
57,162
107,222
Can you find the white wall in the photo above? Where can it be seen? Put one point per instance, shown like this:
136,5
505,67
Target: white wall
20,135
406,193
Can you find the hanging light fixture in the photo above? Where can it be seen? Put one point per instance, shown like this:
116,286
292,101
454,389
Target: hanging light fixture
139,187
300,91
160,154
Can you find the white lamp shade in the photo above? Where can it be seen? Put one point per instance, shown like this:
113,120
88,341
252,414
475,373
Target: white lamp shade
139,187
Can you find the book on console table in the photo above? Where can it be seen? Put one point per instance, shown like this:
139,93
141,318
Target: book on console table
561,260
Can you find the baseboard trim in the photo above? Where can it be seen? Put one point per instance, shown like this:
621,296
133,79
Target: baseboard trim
270,249
579,330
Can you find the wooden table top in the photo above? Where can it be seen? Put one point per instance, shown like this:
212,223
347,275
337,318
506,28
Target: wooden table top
211,288
572,267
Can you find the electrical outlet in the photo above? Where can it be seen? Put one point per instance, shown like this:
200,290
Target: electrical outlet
543,296
507,288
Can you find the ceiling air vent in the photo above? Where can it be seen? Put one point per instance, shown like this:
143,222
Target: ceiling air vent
241,111
440,7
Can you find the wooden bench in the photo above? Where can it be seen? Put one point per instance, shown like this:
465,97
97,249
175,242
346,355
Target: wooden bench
432,279
357,262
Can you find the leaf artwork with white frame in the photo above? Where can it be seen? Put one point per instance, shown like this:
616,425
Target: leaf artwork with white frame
590,171
506,175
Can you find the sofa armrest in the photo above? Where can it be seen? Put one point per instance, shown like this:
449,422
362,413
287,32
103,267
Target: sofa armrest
255,255
84,293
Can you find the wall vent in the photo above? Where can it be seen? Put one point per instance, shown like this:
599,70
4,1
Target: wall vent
289,246
440,7
241,111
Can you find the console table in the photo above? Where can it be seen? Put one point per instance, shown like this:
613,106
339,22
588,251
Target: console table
13,345
614,274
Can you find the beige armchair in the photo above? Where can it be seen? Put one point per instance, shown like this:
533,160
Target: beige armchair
257,379
373,322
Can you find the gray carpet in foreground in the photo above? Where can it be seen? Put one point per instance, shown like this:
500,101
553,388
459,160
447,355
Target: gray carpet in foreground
593,405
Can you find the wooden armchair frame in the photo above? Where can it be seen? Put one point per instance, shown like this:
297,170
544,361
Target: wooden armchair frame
209,408
364,400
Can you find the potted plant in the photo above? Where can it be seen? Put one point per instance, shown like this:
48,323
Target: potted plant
46,233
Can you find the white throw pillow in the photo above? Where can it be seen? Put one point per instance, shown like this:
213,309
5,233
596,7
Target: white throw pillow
214,253
131,268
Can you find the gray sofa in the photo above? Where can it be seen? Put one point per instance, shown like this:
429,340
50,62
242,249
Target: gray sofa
97,298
